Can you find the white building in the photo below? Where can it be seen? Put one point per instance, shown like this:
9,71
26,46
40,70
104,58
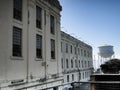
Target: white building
30,47
76,59
29,41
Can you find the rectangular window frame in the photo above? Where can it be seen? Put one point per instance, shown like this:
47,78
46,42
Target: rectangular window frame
52,24
17,42
38,17
39,50
66,48
72,77
75,48
67,63
17,9
53,49
84,53
71,49
67,78
76,63
61,47
62,66
81,52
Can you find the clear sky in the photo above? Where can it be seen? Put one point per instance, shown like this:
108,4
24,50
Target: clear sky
96,22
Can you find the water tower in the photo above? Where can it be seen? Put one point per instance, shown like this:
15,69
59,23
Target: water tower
105,52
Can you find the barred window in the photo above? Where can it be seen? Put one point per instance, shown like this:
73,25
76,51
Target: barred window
38,17
17,41
52,49
52,24
17,9
38,46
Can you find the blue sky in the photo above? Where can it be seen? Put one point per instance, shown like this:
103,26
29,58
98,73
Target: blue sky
96,22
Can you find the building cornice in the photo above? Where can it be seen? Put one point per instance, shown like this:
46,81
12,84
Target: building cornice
69,37
55,3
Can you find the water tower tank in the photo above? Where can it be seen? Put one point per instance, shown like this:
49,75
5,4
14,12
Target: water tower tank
106,51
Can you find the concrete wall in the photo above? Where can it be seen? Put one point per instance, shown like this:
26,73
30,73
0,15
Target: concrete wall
28,67
11,67
84,62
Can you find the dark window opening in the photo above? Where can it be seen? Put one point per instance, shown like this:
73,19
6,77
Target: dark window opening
17,42
52,49
38,17
52,24
38,46
17,10
67,66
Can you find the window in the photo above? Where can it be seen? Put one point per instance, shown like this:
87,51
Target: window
75,51
52,24
52,49
55,88
61,46
88,53
71,48
71,63
72,77
83,75
79,76
85,64
84,52
67,63
67,78
79,63
81,52
17,9
62,63
38,17
76,63
82,64
78,51
66,48
38,46
17,42
88,63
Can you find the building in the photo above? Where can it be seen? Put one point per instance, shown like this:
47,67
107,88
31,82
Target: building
29,41
76,59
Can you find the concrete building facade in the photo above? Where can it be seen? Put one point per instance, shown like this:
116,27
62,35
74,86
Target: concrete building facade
76,59
34,53
29,41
